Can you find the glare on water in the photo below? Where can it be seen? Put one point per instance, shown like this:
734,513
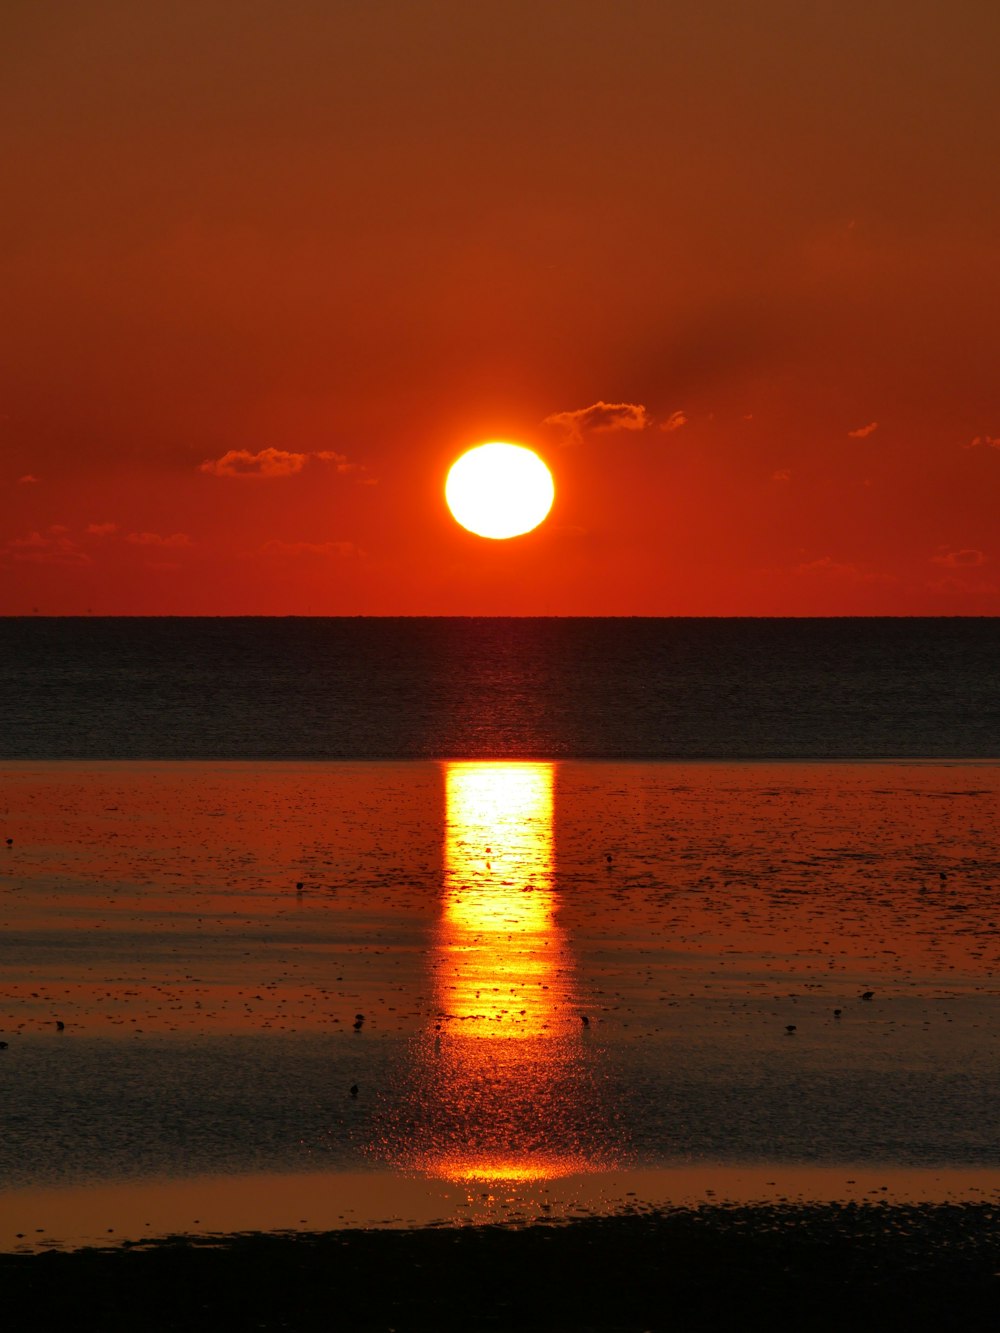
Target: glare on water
498,944
496,1071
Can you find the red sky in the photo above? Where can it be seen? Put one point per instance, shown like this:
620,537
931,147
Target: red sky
384,232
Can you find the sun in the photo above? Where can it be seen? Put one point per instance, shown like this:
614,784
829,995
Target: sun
499,490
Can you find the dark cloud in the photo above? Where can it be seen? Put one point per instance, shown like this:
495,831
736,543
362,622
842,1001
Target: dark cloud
265,463
599,417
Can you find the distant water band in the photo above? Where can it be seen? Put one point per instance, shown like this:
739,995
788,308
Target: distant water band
175,688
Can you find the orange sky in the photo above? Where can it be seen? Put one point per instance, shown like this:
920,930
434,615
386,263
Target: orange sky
383,232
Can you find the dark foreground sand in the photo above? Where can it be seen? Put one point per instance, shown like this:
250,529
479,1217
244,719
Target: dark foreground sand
826,1267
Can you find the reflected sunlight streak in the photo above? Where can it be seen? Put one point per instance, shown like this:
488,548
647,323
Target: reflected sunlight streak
503,1070
499,946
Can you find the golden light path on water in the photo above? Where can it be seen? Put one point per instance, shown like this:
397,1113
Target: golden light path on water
503,1070
498,927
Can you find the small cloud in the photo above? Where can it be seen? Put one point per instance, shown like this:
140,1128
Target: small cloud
863,432
280,548
966,558
674,421
600,417
277,463
265,463
782,474
827,567
175,541
979,442
341,461
33,541
53,548
101,529
28,480
344,466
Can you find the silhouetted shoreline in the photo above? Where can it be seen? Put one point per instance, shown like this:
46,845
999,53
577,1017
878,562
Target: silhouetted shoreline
827,1267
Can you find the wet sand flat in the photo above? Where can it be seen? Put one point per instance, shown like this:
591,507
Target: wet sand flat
492,978
126,880
208,1208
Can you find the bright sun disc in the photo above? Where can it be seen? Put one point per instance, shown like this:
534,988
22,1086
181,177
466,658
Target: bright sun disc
499,490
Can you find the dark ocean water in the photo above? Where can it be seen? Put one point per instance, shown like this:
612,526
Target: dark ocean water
248,688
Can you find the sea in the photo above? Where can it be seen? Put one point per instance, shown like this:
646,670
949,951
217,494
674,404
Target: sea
296,688
308,924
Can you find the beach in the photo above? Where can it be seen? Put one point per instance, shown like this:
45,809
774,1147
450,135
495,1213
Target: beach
829,1268
697,1017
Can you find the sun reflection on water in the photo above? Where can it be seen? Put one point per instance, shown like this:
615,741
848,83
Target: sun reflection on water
499,951
505,1087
